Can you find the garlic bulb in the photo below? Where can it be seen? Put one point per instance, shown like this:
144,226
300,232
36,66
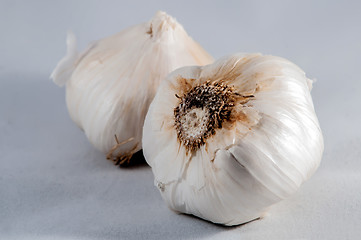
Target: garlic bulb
228,140
110,86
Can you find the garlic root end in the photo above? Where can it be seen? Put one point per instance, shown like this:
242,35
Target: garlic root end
121,158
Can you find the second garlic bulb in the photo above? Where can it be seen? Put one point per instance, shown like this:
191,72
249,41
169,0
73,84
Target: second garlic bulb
110,86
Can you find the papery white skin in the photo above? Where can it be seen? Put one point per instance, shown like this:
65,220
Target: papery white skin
110,86
240,172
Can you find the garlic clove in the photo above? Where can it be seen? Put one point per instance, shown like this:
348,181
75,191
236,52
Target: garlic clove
110,86
247,133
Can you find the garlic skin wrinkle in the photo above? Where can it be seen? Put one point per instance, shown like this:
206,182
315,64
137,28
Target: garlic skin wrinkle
228,140
110,86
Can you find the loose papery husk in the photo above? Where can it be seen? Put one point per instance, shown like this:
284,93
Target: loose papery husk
269,145
109,87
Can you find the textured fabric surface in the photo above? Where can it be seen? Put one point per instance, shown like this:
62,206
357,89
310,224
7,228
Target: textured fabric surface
55,185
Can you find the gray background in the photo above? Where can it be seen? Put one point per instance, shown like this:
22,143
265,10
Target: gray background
54,185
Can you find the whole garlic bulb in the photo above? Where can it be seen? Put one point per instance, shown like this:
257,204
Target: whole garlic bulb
228,140
110,86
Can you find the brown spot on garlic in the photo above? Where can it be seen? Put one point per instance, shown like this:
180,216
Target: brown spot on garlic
204,109
184,85
150,31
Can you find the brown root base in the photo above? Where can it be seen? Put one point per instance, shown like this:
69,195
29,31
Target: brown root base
123,157
118,144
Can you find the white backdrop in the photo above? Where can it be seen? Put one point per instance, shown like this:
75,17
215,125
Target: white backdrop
55,185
